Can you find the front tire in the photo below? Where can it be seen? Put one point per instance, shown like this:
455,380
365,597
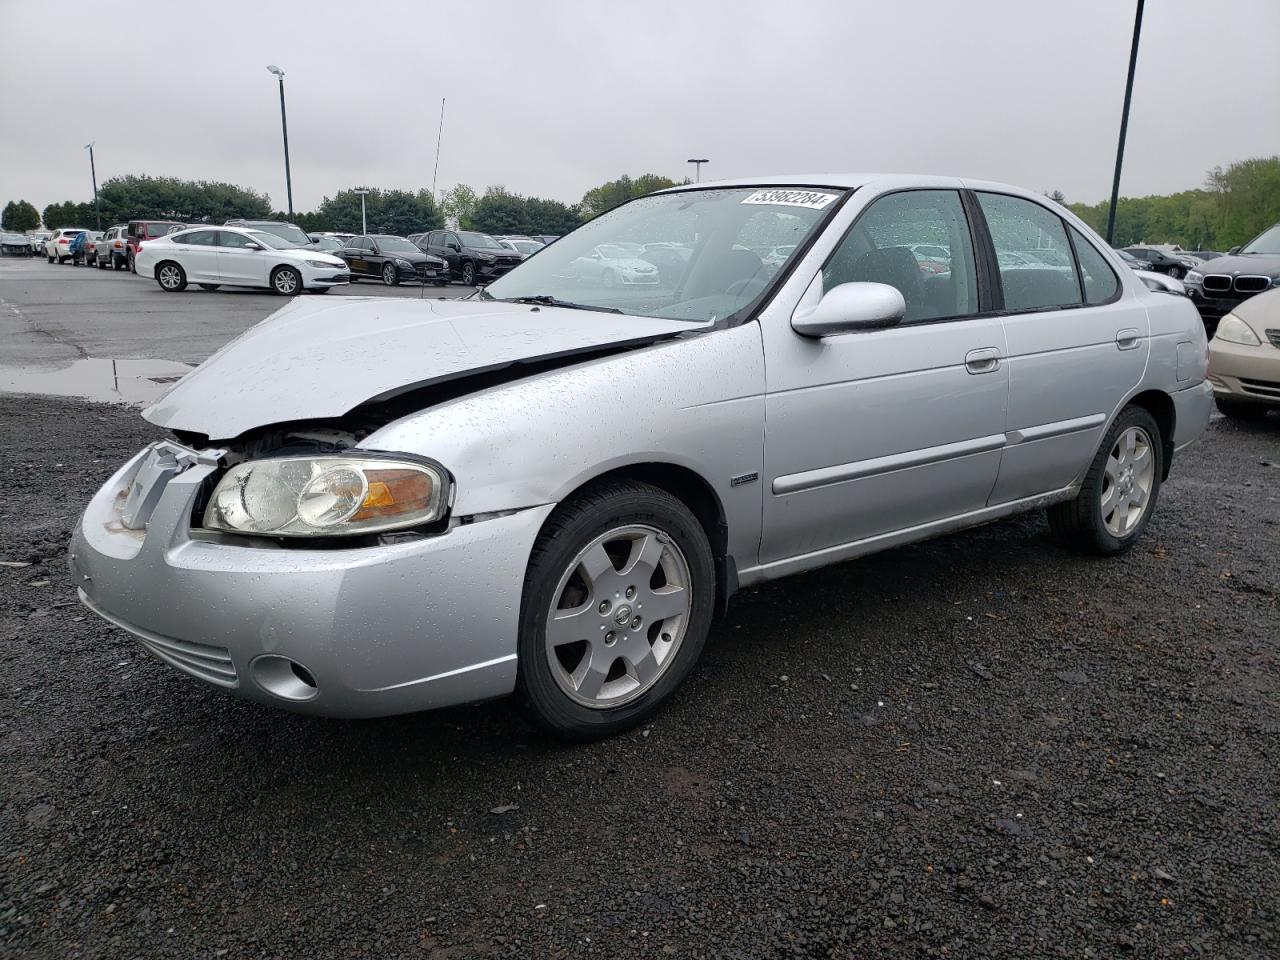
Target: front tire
209,286
286,281
390,275
1119,491
469,274
617,602
1240,409
171,277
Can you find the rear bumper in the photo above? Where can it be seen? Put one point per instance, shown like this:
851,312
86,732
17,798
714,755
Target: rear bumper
380,630
1191,410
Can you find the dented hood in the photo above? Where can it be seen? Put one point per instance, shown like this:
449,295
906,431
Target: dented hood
321,358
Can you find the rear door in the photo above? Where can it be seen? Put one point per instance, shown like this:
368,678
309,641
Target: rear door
197,252
879,431
1078,344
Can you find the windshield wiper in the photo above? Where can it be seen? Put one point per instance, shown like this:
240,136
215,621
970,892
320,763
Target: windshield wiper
549,301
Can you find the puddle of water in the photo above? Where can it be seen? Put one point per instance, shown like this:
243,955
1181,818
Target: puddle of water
130,381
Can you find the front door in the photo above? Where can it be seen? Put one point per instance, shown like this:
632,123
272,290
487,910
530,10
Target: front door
241,259
1078,344
879,431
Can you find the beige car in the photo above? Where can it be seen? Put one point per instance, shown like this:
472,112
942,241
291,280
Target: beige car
1244,358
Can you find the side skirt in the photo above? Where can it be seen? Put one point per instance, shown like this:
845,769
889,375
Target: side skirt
896,538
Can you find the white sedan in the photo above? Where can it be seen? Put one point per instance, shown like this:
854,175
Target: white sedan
212,256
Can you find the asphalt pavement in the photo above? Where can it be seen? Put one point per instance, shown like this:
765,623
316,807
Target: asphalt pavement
54,314
981,746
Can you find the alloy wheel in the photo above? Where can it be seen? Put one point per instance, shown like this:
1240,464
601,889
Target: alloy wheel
1128,478
389,275
618,616
170,276
286,281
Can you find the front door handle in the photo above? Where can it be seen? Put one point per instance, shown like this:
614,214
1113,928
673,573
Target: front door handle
984,360
1128,338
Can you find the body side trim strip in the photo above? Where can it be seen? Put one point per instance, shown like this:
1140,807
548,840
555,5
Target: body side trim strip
826,476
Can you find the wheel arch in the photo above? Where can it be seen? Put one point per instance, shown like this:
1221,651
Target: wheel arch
1160,405
692,489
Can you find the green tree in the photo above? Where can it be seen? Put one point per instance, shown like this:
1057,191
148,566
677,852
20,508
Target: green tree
1239,201
386,211
458,204
616,192
19,216
501,212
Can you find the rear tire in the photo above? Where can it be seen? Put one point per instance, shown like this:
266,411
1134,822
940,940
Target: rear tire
1124,476
286,282
171,277
1240,409
51,259
621,670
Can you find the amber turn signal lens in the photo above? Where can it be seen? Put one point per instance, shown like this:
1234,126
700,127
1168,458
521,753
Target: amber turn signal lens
393,492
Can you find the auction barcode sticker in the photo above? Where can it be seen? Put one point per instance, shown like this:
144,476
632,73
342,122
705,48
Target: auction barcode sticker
813,199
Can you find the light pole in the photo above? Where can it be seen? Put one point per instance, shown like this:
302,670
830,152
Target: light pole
1124,123
364,225
697,167
284,125
97,210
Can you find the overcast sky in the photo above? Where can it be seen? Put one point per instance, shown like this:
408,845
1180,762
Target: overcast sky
551,98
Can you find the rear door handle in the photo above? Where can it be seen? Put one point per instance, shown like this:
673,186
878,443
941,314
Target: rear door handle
983,360
1128,338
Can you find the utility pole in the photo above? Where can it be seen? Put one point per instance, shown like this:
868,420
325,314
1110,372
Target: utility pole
697,168
364,224
93,171
439,137
1124,124
284,125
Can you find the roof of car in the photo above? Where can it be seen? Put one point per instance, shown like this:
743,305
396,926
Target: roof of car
849,181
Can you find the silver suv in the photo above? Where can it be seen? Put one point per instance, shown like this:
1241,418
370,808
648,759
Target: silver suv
550,487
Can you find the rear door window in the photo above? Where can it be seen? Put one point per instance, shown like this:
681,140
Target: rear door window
198,238
1026,238
1100,281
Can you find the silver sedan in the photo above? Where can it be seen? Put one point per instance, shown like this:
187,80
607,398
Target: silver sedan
549,489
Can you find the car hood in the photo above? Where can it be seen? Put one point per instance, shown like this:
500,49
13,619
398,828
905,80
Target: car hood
318,359
1261,264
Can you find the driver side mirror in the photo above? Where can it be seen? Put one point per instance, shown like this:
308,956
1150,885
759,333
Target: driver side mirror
253,246
1233,251
850,307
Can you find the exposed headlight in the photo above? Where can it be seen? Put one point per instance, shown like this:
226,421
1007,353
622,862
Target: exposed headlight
1234,330
324,264
326,496
1194,276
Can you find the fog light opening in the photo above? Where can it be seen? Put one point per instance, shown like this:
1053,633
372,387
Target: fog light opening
284,678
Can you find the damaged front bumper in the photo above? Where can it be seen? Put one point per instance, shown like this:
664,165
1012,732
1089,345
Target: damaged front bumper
352,632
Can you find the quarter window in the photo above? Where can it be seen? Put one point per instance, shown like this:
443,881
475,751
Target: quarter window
1100,281
886,245
1036,269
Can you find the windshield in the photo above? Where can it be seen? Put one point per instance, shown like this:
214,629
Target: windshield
285,231
527,246
395,245
691,255
1266,242
481,240
329,243
270,240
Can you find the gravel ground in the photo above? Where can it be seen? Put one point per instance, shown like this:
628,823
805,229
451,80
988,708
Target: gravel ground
979,746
